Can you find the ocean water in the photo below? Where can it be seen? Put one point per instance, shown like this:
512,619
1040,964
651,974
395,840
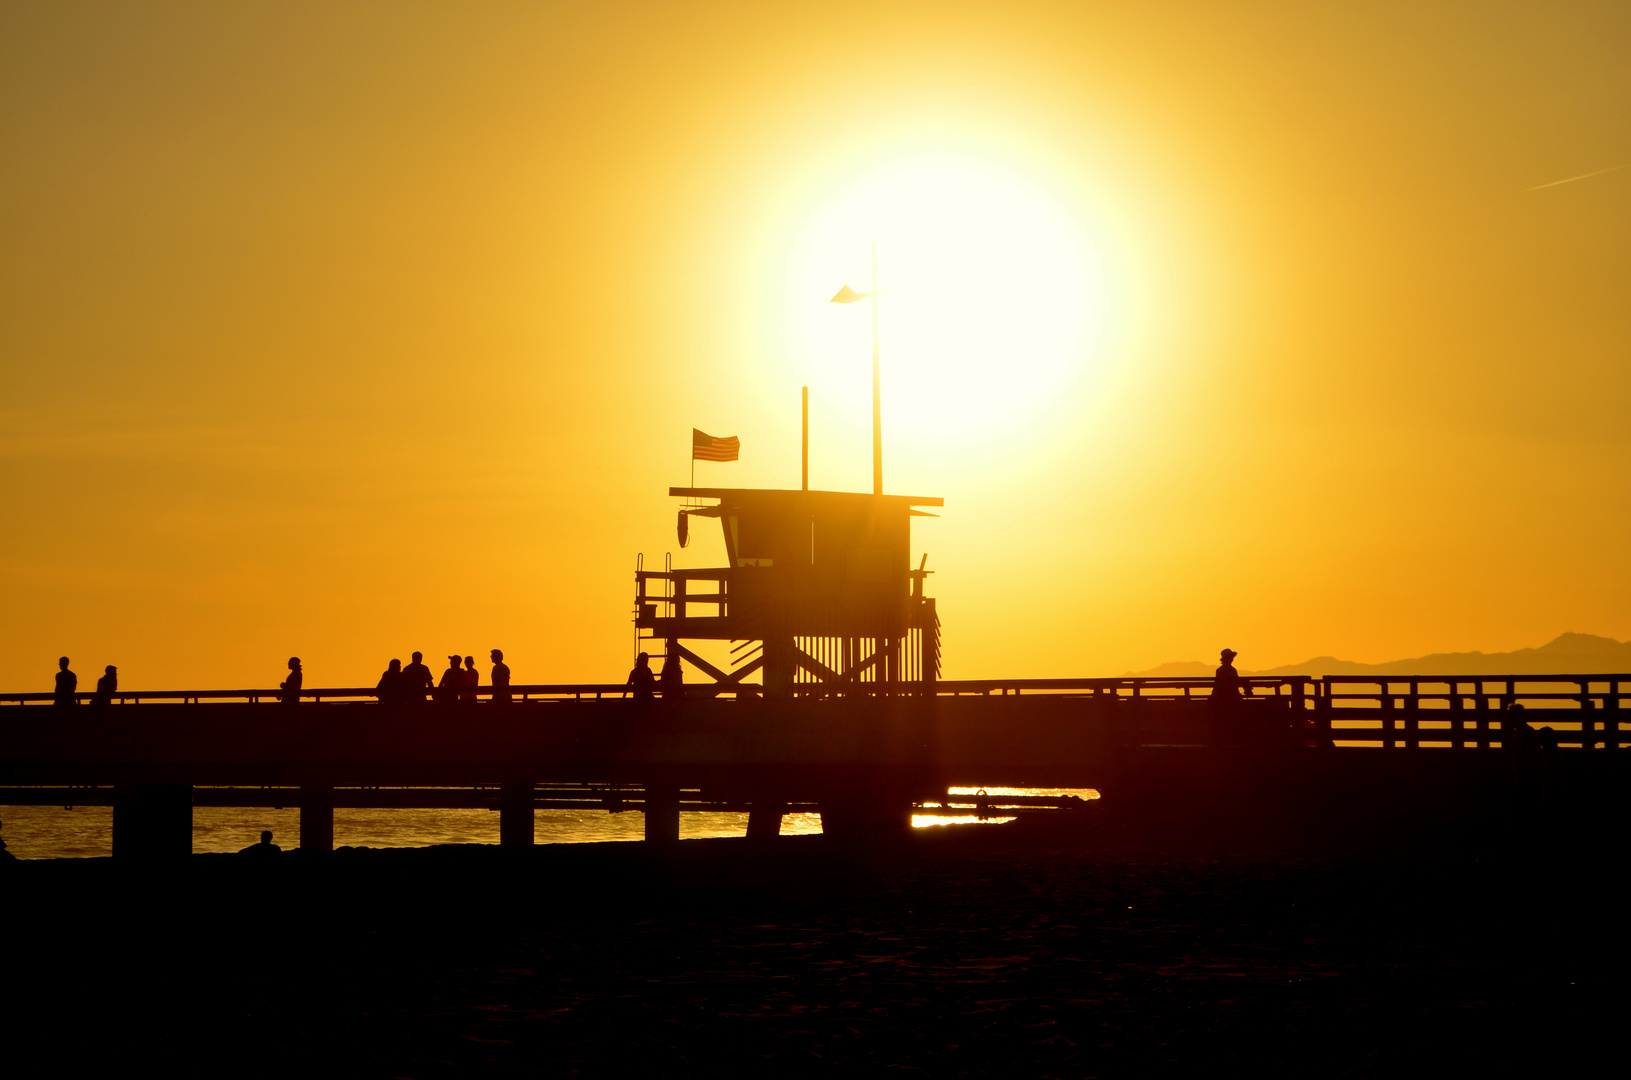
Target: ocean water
55,832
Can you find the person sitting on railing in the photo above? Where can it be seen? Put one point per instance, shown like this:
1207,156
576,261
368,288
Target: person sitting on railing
416,679
452,679
501,678
470,680
106,687
291,685
1226,683
642,682
67,683
391,684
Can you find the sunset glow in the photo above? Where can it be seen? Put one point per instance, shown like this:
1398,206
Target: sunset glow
993,299
1028,538
1239,326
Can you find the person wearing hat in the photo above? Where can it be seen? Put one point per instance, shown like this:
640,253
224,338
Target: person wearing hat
1226,683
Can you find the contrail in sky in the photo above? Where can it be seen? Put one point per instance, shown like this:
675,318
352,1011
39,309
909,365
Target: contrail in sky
1582,176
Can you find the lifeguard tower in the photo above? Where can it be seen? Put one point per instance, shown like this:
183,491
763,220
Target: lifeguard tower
818,593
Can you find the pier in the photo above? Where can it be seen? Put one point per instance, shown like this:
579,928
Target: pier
847,717
1158,751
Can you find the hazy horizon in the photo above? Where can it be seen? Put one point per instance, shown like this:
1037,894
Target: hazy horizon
1567,654
346,332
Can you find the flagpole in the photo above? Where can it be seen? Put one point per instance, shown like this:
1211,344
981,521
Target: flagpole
877,405
847,295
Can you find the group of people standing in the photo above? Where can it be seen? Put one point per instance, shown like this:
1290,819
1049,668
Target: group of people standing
67,691
399,684
411,684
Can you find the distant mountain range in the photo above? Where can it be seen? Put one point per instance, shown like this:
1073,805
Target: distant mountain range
1568,654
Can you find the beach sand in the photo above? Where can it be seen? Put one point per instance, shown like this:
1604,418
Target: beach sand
962,951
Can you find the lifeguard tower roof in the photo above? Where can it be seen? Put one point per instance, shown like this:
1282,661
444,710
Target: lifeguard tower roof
859,536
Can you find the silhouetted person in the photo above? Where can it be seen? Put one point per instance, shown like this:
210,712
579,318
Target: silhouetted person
672,679
291,685
501,678
471,680
416,679
265,847
452,680
641,680
67,683
1516,734
5,856
391,684
1226,683
106,687
1524,752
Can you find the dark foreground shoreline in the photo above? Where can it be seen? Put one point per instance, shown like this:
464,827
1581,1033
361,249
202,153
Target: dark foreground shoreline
963,951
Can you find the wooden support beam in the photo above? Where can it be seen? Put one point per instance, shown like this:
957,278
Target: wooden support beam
722,680
152,821
780,666
826,674
126,827
703,666
765,818
316,818
814,667
515,825
662,812
1611,720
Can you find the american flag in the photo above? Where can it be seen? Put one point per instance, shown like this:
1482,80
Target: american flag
705,447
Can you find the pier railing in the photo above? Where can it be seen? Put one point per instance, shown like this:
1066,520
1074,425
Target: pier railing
330,695
1471,711
1392,712
1293,687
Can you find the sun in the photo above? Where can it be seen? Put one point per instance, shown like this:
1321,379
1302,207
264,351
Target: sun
991,301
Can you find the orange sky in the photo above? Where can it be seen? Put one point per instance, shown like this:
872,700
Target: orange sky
351,330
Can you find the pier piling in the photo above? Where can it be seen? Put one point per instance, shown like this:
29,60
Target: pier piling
662,812
316,817
152,821
765,818
515,814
